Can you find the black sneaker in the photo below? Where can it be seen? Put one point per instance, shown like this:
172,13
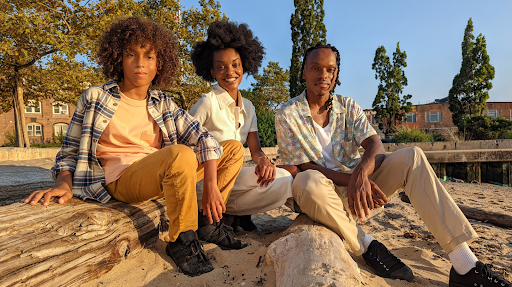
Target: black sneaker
480,276
187,252
239,221
220,234
385,264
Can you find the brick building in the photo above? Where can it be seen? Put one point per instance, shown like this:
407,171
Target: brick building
43,118
437,116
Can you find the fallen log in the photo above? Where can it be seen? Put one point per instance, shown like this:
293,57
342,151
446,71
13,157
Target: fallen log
310,254
494,218
72,243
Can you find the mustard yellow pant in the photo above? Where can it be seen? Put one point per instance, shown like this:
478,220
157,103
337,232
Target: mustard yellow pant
405,169
172,172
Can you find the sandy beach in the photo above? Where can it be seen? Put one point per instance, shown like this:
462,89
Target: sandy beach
399,228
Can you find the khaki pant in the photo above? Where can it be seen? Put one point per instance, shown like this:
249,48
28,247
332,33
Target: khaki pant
173,172
248,197
406,169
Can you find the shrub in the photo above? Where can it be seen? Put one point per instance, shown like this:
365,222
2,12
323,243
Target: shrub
484,127
407,135
10,139
266,128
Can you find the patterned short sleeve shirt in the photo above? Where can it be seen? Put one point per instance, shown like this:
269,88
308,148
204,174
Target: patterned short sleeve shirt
297,139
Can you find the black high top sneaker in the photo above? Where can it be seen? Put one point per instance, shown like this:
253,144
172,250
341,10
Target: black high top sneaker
188,254
218,233
385,264
480,276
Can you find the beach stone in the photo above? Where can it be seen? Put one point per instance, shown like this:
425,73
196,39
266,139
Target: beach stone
310,254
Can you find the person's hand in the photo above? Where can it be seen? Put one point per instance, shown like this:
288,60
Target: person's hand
364,195
212,203
61,191
292,169
265,171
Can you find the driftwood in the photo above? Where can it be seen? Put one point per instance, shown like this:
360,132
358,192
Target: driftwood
312,255
494,218
69,244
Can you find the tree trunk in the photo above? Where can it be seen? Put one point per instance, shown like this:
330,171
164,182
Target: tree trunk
310,254
19,111
72,243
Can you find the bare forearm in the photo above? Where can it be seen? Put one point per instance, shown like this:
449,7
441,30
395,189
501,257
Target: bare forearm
339,178
210,172
373,156
65,180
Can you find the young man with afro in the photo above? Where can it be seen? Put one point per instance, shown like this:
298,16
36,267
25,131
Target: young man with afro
131,142
319,135
229,52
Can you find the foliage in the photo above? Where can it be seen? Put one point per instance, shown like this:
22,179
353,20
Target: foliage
10,139
470,87
407,135
271,89
307,30
266,128
389,107
484,127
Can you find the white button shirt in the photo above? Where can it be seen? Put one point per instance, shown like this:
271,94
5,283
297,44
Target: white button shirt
217,112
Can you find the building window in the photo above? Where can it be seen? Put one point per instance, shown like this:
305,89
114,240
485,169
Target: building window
33,107
60,129
434,117
410,118
493,113
60,108
34,129
374,122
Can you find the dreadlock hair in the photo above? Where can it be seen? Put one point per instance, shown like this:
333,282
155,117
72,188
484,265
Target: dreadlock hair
320,45
225,35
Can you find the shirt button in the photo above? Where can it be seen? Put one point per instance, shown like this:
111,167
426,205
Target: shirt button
104,121
115,104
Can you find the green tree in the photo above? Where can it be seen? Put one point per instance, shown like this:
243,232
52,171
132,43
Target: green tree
470,87
307,25
390,108
42,48
271,89
266,128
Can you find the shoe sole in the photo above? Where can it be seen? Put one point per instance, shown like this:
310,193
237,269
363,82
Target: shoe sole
394,278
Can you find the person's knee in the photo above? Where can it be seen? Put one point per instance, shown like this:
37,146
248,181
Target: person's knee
181,156
234,148
307,184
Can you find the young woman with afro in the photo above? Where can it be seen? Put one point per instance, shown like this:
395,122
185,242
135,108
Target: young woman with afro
230,51
131,142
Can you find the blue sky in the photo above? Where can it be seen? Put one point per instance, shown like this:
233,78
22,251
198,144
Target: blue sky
430,32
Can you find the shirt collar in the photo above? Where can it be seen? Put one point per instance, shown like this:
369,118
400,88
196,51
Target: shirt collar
225,99
304,106
113,87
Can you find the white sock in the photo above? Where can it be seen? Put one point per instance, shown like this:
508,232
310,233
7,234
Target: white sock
462,258
367,240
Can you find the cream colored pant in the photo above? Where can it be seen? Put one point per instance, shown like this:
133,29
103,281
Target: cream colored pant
173,172
247,197
406,169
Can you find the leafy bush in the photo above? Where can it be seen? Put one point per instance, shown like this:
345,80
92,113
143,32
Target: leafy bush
406,135
10,139
266,128
485,127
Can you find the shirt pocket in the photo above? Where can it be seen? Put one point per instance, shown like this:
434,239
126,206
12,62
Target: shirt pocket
152,140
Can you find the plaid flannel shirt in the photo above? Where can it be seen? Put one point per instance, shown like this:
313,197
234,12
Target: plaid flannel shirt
95,109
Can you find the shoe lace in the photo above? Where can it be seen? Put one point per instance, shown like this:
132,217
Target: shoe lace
197,250
493,276
387,258
225,232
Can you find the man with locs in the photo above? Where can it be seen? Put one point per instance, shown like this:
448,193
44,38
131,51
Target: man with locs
319,135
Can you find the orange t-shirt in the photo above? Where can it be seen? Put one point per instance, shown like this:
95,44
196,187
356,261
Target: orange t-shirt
131,135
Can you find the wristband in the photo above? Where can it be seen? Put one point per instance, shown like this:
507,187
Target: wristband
269,159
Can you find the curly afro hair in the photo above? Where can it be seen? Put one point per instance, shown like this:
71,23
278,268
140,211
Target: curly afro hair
135,30
224,35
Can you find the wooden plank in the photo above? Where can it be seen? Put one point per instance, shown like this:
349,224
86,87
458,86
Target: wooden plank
72,243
